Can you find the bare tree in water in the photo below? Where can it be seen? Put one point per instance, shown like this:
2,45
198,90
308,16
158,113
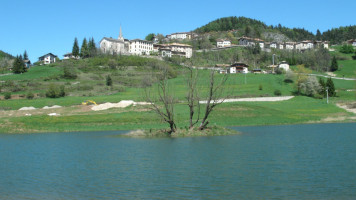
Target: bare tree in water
163,101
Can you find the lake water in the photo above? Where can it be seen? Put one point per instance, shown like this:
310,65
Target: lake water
316,161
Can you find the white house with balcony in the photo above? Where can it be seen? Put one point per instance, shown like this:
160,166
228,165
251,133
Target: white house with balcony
140,47
220,43
47,59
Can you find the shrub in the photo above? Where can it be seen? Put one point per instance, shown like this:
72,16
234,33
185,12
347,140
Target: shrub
108,80
260,87
52,92
30,95
62,92
289,77
279,71
69,73
7,95
347,49
277,93
55,91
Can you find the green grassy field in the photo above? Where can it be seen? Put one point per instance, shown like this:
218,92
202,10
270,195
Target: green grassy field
297,110
34,73
300,109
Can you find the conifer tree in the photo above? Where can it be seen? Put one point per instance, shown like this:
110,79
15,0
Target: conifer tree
334,65
25,56
331,87
322,87
84,51
18,66
318,35
75,50
92,47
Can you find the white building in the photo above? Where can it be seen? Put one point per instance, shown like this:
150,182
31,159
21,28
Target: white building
262,45
114,46
140,47
48,58
273,45
169,50
223,43
352,42
280,46
69,56
180,36
290,45
284,65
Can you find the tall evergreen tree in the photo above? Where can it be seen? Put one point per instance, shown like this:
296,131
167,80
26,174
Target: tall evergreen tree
84,51
18,66
92,47
331,87
322,87
75,49
318,35
25,56
334,65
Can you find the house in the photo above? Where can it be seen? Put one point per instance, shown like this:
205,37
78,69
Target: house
47,59
140,47
69,56
174,49
27,63
246,41
352,42
180,36
323,44
257,71
280,46
262,44
289,45
307,44
273,45
239,67
223,43
283,65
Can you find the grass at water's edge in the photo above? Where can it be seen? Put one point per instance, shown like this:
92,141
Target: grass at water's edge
210,131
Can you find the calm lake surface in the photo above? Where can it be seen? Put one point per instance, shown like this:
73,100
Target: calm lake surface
316,161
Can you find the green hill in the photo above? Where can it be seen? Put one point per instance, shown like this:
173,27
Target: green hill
243,26
253,28
5,55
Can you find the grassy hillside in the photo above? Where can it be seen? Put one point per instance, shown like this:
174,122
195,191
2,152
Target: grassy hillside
5,55
130,74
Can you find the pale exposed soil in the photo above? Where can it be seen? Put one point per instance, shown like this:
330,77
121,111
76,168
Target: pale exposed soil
255,99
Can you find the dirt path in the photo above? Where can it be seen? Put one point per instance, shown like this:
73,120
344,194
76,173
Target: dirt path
284,98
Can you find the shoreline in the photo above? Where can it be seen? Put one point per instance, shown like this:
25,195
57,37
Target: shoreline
226,127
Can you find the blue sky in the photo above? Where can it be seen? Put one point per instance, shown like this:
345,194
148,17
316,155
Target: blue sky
41,26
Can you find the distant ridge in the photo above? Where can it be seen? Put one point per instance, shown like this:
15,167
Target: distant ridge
5,55
255,28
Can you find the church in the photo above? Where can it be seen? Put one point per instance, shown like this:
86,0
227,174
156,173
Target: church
115,46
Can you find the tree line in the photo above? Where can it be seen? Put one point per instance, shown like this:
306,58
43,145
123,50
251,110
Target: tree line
88,48
254,28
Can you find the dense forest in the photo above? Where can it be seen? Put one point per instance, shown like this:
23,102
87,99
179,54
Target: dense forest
254,28
339,35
